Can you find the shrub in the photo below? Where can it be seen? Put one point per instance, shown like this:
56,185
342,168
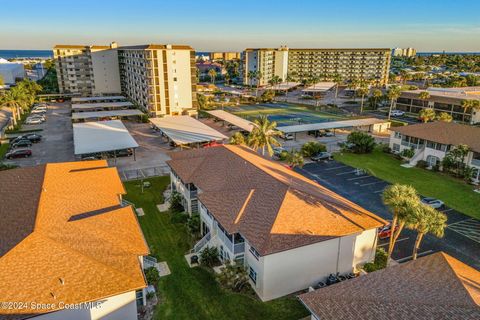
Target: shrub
422,164
312,148
209,256
193,224
283,155
385,148
176,202
152,276
179,217
362,142
408,153
233,277
380,261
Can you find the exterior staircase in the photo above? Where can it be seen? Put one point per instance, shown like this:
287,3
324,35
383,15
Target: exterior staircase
416,157
203,243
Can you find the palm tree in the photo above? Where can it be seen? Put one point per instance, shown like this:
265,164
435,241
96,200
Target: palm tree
294,159
251,75
445,117
427,115
401,199
376,94
427,220
470,104
362,92
237,138
393,94
338,80
424,96
213,74
258,77
227,78
9,100
263,135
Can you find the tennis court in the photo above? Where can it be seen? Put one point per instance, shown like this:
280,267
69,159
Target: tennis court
284,114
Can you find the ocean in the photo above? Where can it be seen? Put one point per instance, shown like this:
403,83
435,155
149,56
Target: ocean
10,54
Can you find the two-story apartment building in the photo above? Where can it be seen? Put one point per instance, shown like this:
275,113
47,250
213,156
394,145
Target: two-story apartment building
431,142
69,248
287,230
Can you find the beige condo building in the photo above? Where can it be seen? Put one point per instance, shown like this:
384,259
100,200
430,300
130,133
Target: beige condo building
87,70
349,64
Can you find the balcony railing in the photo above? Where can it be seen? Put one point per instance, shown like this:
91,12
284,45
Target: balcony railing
475,162
234,248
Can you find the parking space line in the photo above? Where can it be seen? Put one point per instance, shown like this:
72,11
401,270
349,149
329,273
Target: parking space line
418,255
463,221
348,172
356,178
379,191
448,210
334,168
371,183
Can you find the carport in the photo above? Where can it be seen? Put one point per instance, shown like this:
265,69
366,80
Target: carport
76,116
233,119
105,106
185,130
101,137
372,124
98,99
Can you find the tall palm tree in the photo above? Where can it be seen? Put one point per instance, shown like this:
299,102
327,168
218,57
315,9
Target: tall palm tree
427,220
338,80
258,77
263,135
393,94
445,117
427,115
424,96
213,74
251,75
9,100
376,94
362,92
401,199
470,104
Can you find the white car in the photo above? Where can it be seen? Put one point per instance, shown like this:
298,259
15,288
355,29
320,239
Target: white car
287,136
434,203
37,116
33,121
397,113
38,111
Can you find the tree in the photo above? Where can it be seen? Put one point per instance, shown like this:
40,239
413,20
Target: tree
362,92
294,159
338,80
227,78
427,115
263,135
445,117
312,148
251,75
237,138
393,94
424,96
176,202
470,104
258,77
152,275
213,74
401,200
427,220
455,158
362,142
233,277
267,96
376,94
209,256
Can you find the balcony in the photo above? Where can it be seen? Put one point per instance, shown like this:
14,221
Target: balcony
234,243
475,162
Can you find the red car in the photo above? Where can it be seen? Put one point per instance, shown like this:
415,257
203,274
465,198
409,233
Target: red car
19,153
386,231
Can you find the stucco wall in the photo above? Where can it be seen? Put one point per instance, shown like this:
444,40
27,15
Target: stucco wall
106,72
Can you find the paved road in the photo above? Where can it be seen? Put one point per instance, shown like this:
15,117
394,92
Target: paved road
462,236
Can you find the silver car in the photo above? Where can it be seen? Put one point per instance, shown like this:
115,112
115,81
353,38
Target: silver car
434,203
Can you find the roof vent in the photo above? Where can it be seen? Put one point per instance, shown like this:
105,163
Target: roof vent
62,281
53,295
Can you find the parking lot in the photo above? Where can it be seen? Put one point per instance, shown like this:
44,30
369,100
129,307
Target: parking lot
462,236
57,138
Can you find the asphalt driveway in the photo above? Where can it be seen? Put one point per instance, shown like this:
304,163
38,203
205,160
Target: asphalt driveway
462,236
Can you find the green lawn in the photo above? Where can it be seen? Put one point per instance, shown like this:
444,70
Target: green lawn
3,150
193,293
455,193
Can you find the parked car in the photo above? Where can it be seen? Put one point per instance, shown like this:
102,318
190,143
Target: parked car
287,136
21,144
33,121
322,156
38,112
386,231
277,151
346,145
36,117
434,203
21,153
40,107
91,156
397,113
120,153
33,137
326,133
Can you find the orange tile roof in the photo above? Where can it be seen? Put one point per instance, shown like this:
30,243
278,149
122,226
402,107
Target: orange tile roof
285,210
437,286
81,235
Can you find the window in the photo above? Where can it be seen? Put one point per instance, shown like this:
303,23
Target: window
254,252
396,147
398,135
253,275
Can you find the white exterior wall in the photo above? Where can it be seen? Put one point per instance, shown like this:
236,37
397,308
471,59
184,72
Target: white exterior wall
179,90
289,271
180,188
11,71
106,73
281,64
119,307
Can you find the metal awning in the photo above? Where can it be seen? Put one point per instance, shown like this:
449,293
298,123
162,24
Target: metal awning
331,125
104,114
233,119
101,136
99,105
186,130
98,98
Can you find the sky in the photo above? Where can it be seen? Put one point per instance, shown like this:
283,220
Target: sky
427,25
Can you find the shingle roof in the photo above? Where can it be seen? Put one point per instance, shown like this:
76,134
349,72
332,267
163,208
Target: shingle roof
275,208
433,287
81,236
444,132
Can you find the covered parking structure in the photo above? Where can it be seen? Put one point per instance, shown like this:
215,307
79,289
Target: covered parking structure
319,88
185,130
98,115
98,99
284,86
232,119
370,124
101,137
101,106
